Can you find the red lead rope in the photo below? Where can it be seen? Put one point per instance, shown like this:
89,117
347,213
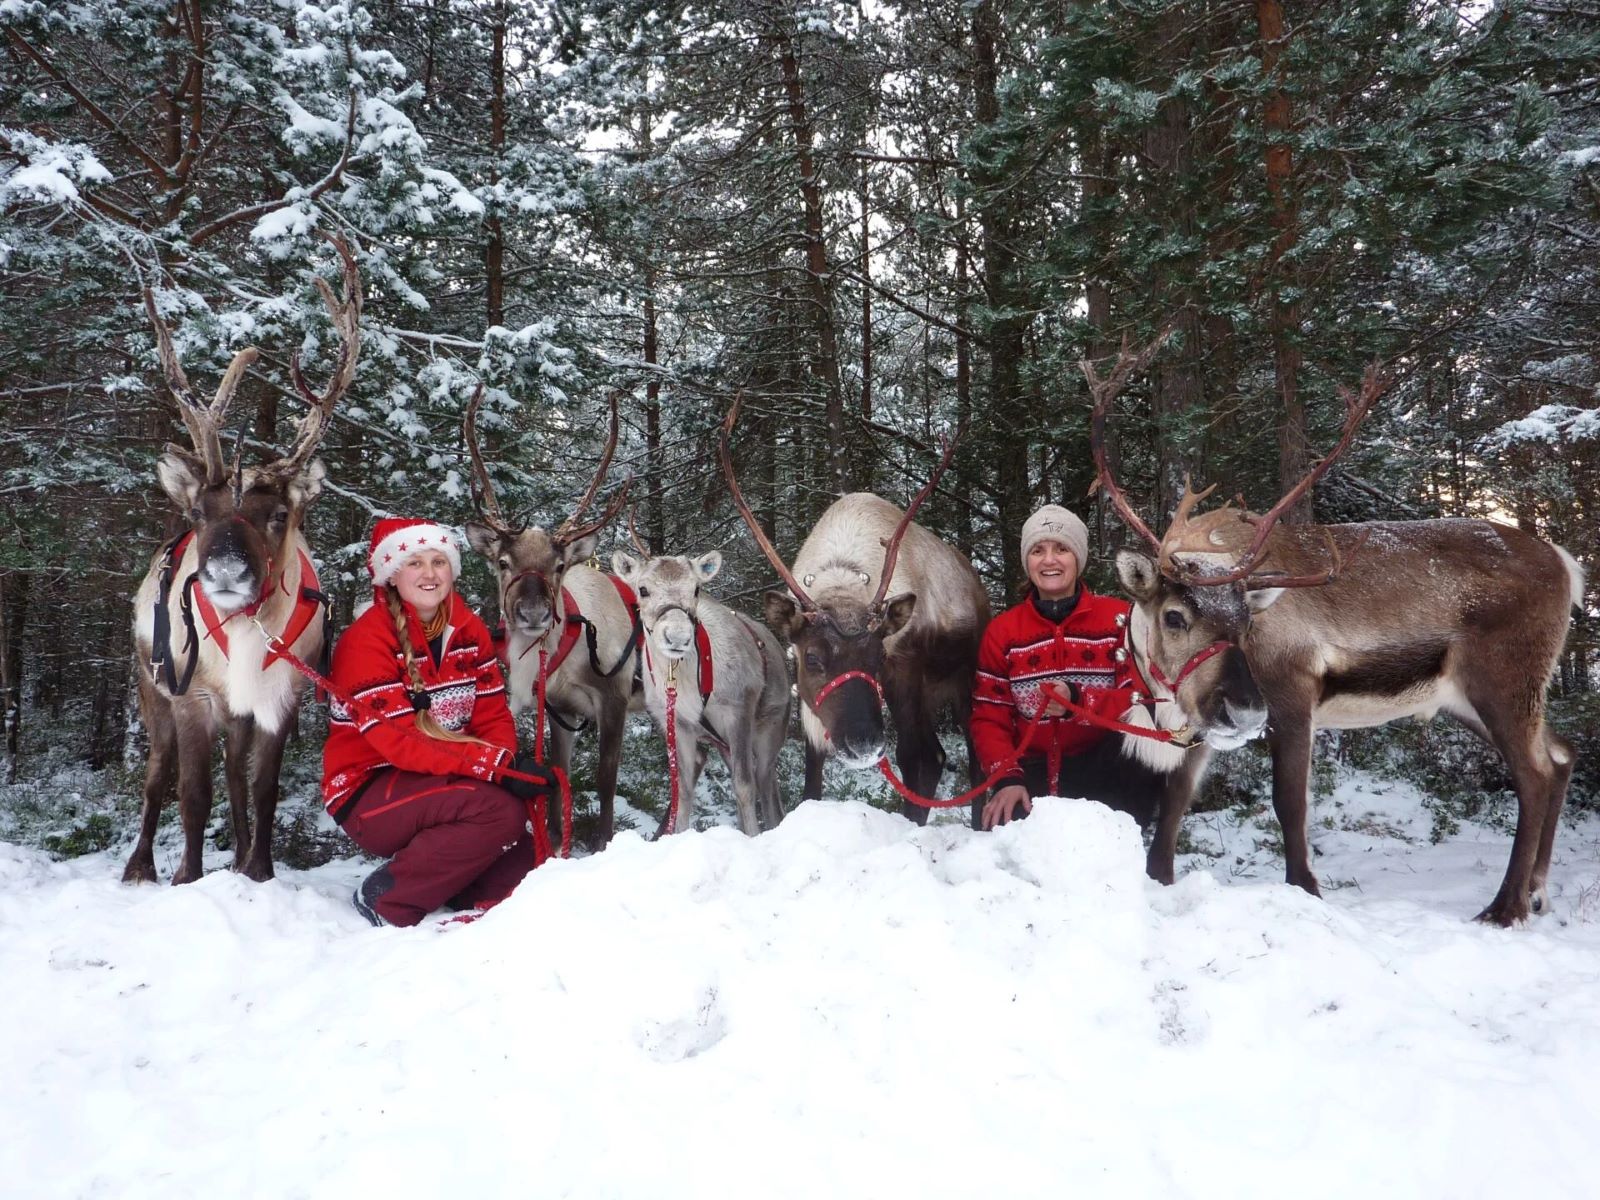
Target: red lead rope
538,752
671,825
1009,763
536,806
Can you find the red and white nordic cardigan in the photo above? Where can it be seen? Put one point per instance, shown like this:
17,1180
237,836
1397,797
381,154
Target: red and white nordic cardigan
1021,651
466,691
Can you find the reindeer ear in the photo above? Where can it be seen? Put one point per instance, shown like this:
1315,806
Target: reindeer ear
897,612
707,565
1139,575
307,486
624,566
181,476
1260,599
485,540
581,549
782,614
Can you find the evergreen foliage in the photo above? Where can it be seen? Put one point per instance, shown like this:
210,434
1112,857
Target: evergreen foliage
879,223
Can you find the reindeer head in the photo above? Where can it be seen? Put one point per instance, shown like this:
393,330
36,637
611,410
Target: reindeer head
1189,639
245,517
840,633
668,590
1194,600
529,562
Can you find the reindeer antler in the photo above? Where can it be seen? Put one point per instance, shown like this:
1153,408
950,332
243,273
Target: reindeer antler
808,607
346,316
1357,406
639,544
892,546
204,421
571,530
1104,392
483,486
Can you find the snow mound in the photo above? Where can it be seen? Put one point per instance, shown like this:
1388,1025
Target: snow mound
847,1006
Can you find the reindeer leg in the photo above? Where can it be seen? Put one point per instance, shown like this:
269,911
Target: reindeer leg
236,755
558,753
1177,793
919,754
196,737
813,784
1533,773
770,738
746,787
1561,760
688,775
1291,779
159,774
613,715
264,791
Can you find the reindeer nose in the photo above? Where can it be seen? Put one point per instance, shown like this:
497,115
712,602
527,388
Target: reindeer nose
859,753
225,573
530,614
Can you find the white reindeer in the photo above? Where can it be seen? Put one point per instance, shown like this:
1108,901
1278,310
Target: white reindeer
730,680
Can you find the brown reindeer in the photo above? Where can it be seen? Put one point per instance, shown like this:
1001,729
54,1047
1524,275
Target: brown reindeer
243,567
1347,626
871,592
551,600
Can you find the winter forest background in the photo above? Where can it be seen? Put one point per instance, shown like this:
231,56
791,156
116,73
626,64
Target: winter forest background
880,221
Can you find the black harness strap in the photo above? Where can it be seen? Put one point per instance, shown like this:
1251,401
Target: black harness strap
162,661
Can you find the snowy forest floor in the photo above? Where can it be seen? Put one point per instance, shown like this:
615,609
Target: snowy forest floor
847,1006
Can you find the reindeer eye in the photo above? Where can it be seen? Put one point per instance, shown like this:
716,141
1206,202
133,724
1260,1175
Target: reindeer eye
1173,619
281,516
505,563
644,593
196,515
813,662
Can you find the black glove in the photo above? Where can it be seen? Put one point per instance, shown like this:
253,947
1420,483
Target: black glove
526,789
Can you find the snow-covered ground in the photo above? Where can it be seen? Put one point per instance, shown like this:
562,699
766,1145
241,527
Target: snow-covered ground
845,1007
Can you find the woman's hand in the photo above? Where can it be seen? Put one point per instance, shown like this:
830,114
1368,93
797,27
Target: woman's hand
1002,805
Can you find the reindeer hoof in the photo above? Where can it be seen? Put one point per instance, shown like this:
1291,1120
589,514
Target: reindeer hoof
257,871
1505,915
185,874
139,872
1539,903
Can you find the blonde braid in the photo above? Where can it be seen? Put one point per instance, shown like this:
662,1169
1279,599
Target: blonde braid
425,720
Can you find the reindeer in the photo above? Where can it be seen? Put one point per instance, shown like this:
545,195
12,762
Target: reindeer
245,567
856,604
729,679
550,602
1348,626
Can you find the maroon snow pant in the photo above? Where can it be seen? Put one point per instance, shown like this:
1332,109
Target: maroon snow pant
451,840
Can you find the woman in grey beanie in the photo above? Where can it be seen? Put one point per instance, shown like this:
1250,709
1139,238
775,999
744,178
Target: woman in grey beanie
1061,637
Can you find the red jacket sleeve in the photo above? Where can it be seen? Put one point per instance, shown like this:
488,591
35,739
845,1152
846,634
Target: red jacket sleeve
994,710
363,669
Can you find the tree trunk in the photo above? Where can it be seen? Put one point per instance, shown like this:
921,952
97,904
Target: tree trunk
997,225
494,254
819,273
1284,322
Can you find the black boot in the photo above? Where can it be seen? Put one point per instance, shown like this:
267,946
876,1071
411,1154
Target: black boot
369,891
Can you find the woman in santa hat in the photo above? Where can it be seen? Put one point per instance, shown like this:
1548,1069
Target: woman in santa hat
409,770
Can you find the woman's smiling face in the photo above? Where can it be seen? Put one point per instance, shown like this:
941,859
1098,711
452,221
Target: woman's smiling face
424,581
1052,569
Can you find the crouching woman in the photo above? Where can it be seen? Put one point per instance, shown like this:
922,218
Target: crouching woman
410,767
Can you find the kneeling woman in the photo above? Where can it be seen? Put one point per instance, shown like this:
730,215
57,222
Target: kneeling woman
1062,636
410,773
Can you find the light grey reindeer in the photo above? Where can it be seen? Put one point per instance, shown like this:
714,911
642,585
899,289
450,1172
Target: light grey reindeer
551,601
746,713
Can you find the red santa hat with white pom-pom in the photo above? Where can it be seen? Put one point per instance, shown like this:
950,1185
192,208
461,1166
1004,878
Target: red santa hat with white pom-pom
395,539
